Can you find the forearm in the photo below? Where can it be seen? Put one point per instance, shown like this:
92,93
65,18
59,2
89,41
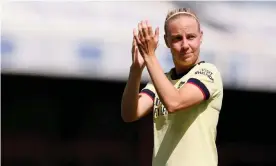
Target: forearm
167,93
130,96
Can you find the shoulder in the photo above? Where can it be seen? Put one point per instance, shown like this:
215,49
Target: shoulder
207,69
208,66
208,78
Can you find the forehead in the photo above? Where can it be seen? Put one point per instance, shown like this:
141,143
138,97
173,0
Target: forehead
182,24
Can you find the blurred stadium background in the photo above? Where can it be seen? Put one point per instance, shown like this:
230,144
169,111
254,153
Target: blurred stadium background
64,66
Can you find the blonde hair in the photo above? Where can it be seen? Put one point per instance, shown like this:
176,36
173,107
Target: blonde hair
177,13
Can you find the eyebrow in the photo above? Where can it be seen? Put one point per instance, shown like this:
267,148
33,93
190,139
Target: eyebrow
175,34
178,34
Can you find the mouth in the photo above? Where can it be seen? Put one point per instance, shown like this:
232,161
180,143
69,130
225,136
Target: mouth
185,54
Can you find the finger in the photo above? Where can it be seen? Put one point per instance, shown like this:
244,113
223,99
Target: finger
133,51
134,34
150,33
134,46
144,29
136,38
133,40
139,48
136,53
139,45
156,35
140,33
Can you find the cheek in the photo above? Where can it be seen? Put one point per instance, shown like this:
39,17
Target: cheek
176,47
195,46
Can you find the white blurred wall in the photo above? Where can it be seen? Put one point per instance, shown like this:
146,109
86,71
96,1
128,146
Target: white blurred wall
93,39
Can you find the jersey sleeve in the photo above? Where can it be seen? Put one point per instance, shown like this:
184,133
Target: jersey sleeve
207,78
149,90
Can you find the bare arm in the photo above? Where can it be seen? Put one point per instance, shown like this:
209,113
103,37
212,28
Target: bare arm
134,105
172,98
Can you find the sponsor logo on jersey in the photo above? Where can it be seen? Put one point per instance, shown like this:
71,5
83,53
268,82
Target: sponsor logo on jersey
205,72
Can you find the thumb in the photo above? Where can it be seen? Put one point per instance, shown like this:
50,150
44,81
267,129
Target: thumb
136,54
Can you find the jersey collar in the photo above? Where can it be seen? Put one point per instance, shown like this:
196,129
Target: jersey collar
175,76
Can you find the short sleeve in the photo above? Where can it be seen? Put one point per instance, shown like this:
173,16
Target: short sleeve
149,90
208,79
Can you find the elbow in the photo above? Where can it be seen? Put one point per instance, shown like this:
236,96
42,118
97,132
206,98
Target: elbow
175,106
124,114
171,109
126,118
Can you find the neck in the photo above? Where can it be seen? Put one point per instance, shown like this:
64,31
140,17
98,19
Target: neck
179,69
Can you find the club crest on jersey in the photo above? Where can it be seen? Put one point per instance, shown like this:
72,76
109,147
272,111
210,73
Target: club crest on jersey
206,73
159,109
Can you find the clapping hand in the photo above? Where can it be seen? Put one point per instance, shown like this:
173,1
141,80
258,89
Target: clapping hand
137,59
146,40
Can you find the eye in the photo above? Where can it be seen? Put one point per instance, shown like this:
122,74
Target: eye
177,38
191,37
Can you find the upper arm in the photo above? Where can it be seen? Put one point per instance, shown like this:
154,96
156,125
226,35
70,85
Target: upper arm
145,104
145,101
203,84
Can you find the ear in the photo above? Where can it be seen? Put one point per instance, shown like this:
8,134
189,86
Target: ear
201,36
166,41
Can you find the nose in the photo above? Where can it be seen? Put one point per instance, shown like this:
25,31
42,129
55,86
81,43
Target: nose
185,44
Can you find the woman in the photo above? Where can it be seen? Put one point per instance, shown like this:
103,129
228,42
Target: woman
185,101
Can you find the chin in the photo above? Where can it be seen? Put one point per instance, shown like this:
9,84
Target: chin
188,64
187,61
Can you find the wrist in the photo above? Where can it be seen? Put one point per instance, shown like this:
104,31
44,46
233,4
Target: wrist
136,69
149,59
